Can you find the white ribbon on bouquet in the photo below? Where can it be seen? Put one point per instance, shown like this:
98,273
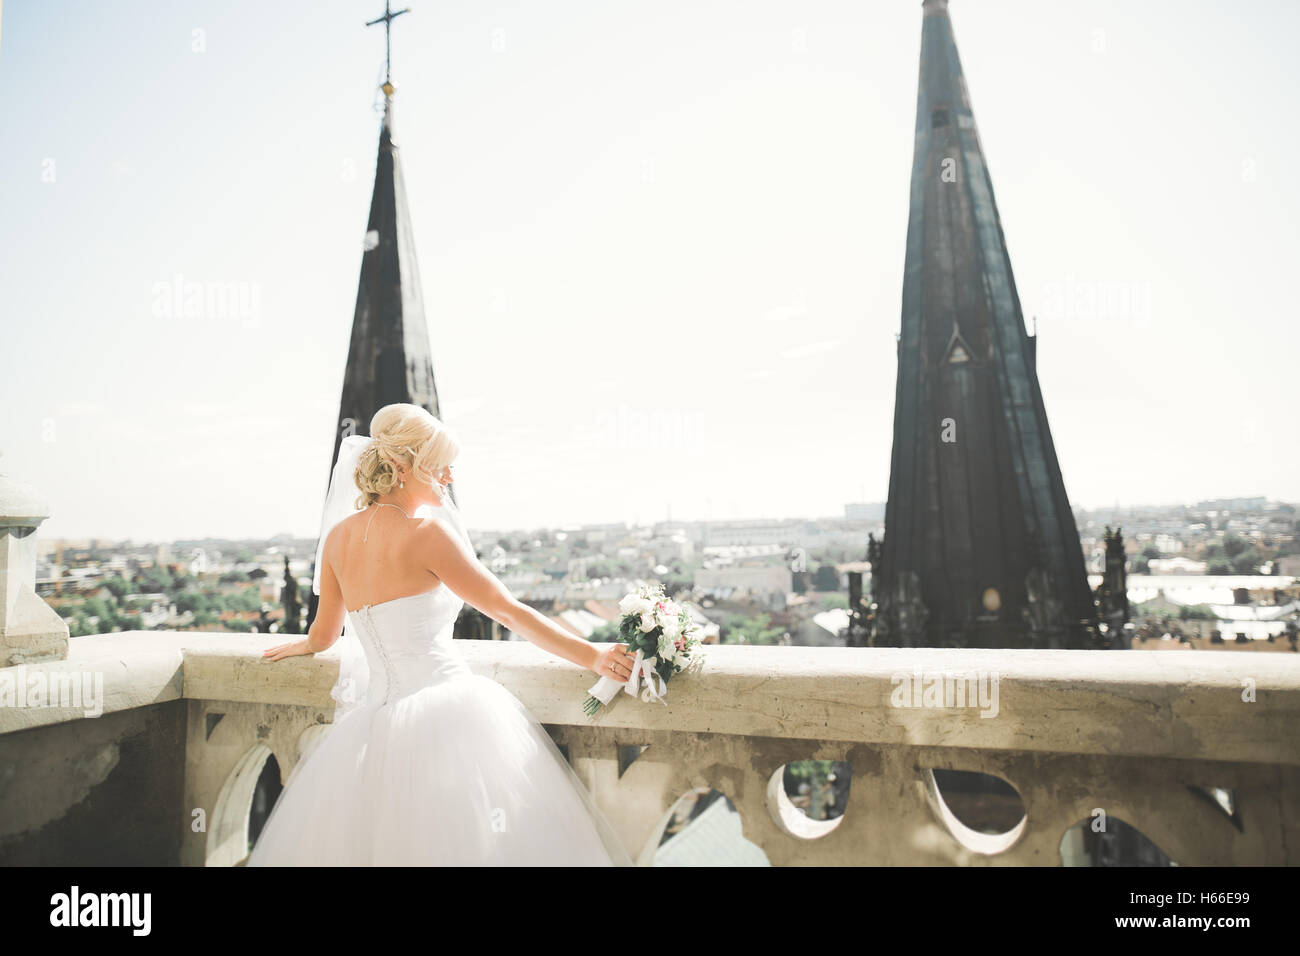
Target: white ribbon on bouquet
643,669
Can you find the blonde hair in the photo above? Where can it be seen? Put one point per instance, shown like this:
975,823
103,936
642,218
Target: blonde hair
402,434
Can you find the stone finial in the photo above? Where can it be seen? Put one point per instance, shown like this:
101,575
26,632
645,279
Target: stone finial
30,631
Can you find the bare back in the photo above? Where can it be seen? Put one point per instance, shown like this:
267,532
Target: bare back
380,555
381,563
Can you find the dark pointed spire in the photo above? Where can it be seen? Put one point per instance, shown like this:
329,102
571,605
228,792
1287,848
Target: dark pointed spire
981,547
389,359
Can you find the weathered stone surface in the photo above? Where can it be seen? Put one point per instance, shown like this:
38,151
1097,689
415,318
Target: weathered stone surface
1142,703
102,792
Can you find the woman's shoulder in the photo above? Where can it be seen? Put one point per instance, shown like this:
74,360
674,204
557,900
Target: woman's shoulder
340,533
432,519
436,525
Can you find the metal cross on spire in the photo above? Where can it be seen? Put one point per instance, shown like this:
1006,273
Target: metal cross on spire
387,20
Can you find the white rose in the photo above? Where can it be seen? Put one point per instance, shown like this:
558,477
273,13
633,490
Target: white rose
648,622
634,604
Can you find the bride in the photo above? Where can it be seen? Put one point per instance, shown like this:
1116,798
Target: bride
426,763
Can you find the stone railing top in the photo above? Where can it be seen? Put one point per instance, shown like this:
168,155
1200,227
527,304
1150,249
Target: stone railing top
1205,705
20,506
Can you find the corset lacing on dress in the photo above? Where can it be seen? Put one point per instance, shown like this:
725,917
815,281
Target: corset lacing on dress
365,619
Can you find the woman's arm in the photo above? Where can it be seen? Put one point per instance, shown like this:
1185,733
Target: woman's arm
328,623
447,556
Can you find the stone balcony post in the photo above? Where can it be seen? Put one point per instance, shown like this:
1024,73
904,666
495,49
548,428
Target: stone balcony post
30,630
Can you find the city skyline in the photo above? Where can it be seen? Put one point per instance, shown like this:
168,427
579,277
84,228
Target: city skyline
617,278
1096,517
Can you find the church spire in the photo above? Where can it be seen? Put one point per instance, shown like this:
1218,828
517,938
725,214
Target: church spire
389,359
980,547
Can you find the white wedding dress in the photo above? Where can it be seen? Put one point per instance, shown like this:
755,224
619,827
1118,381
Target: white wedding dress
435,766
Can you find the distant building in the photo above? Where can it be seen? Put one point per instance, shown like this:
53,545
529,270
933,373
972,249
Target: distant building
721,534
1167,543
1288,564
740,552
671,547
579,621
768,584
1232,504
1178,565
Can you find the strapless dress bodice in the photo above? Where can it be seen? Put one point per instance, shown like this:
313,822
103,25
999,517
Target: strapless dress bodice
408,643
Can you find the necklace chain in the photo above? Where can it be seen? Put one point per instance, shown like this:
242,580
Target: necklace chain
381,504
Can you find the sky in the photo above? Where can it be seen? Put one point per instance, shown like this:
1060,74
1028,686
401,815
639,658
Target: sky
661,247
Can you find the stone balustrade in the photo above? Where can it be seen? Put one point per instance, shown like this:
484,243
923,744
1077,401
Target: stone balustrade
30,630
166,773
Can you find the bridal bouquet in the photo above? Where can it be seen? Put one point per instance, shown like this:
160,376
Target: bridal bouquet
662,635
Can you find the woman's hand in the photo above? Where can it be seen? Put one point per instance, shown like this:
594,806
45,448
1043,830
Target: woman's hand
296,649
615,662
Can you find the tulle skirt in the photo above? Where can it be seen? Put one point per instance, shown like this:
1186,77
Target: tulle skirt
456,774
